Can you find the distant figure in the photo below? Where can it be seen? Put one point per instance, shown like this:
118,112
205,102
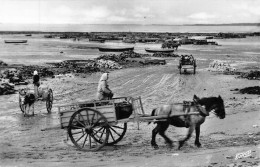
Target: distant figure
103,91
36,83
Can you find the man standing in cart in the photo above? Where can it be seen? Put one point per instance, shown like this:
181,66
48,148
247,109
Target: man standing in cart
103,91
36,83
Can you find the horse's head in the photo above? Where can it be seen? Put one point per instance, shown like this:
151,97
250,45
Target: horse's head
212,103
219,108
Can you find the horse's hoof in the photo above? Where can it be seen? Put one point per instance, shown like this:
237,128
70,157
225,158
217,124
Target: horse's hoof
156,147
170,147
180,144
198,145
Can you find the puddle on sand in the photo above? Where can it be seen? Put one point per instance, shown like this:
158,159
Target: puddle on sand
17,123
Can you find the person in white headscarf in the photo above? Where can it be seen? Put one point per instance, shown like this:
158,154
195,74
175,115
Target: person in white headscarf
103,91
36,83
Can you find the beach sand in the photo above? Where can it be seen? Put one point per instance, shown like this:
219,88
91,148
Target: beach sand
23,143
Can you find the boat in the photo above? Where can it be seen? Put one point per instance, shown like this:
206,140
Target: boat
159,50
97,40
115,49
15,41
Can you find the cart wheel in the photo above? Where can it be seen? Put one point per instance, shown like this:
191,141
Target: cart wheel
22,106
49,100
88,129
116,133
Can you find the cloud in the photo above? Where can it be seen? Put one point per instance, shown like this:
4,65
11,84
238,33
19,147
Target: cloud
129,12
19,12
201,16
98,12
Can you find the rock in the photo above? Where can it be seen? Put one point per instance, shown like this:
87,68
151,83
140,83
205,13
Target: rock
251,75
6,88
175,154
231,165
250,90
229,157
220,66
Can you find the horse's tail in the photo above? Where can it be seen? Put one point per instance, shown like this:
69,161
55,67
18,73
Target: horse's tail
152,114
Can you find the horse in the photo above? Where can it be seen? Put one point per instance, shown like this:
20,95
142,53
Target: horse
193,122
27,101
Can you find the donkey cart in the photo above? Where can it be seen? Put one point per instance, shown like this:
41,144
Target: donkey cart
187,62
27,98
93,124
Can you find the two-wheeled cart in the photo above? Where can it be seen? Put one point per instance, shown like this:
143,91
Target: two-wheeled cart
187,62
46,95
93,124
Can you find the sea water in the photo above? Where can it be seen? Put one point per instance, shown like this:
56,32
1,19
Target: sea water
128,28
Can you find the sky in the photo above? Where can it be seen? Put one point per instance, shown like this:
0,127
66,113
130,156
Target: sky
170,12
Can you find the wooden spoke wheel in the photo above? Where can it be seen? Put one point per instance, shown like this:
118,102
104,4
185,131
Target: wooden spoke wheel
116,133
49,100
88,129
22,106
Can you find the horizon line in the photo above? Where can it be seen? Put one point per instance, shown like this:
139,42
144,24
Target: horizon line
195,24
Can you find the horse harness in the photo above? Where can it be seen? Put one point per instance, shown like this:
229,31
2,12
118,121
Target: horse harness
186,109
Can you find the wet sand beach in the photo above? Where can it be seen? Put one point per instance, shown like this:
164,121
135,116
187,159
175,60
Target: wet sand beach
23,143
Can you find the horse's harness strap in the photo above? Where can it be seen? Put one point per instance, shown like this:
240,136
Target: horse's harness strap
187,105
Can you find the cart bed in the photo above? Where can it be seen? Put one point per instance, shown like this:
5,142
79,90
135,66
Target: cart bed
107,108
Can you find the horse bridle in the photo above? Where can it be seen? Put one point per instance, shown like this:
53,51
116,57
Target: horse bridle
213,108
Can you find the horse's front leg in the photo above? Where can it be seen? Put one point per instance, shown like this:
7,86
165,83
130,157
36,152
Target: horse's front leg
181,142
26,110
197,140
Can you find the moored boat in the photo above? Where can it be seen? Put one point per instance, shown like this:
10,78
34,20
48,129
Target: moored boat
159,50
15,41
115,49
97,40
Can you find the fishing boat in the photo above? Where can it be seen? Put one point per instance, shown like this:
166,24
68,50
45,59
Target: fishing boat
15,41
115,49
159,50
97,40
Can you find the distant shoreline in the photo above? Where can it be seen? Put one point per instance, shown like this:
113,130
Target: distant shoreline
101,32
149,28
220,24
232,24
